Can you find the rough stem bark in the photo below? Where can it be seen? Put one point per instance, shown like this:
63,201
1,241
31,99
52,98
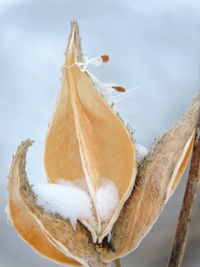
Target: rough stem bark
184,221
117,263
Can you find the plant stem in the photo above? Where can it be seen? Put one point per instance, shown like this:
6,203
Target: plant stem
117,263
185,216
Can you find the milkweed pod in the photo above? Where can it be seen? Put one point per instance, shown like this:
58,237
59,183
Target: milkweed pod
22,219
87,139
157,178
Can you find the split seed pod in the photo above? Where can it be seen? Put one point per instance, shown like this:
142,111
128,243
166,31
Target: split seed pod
87,139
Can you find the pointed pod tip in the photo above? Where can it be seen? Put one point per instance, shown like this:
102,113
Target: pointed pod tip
74,25
24,146
74,45
27,143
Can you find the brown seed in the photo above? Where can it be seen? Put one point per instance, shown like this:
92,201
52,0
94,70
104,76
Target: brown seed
119,88
105,58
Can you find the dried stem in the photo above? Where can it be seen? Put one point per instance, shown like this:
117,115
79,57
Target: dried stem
182,229
117,263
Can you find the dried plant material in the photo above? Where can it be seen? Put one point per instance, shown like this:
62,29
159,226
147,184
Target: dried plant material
69,201
22,219
119,88
190,195
77,244
155,182
72,200
105,58
141,152
82,139
117,263
87,141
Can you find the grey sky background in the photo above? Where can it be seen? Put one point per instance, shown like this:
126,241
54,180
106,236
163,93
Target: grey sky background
152,44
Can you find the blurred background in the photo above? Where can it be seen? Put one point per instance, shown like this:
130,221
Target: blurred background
153,45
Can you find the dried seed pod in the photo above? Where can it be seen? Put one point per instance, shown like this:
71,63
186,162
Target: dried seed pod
21,218
158,176
82,139
76,244
87,139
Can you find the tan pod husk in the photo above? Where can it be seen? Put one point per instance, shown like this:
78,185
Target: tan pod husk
87,139
73,243
22,219
156,181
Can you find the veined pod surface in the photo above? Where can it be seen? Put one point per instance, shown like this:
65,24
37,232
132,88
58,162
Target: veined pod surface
90,154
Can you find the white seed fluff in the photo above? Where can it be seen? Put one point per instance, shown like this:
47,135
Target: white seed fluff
141,152
107,198
69,201
7,211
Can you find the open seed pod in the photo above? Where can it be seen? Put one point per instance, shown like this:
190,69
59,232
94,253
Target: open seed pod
21,218
157,178
87,140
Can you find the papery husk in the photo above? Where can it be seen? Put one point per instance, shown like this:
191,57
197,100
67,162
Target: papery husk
23,221
155,183
76,244
87,139
158,176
